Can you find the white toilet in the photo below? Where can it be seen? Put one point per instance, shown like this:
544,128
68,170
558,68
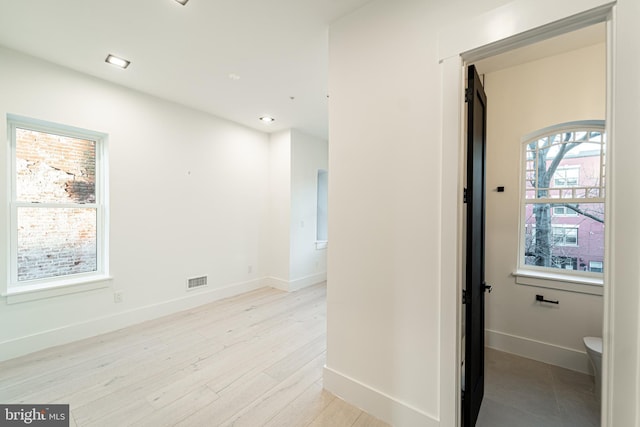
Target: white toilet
594,351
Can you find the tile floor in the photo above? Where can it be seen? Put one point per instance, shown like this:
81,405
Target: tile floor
522,392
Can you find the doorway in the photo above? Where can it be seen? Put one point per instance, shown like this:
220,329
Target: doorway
515,320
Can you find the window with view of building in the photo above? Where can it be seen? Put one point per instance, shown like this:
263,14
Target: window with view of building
566,176
563,197
57,204
564,235
563,211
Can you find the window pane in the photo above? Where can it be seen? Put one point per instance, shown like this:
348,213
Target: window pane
322,201
564,235
56,242
595,266
595,136
570,160
54,169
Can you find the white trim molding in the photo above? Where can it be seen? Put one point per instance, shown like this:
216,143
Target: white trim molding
451,248
563,282
516,24
296,284
552,354
375,402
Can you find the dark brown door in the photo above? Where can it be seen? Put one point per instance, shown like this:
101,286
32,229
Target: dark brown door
475,285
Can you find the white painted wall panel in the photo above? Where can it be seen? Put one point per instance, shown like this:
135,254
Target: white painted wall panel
279,205
384,217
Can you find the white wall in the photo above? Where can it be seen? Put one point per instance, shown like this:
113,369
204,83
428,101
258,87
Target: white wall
295,160
385,156
384,218
523,99
189,196
308,155
279,207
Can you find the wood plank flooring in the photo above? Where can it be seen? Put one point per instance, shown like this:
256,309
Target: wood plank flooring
252,360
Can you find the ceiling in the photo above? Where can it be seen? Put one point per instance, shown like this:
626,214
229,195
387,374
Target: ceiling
236,59
563,43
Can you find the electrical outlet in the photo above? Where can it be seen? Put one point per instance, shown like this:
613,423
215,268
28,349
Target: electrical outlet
250,269
118,296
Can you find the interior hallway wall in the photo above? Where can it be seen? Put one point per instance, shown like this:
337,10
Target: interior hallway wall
383,307
523,99
279,207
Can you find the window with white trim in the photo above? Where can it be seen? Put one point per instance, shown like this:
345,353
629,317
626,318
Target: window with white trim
563,196
58,205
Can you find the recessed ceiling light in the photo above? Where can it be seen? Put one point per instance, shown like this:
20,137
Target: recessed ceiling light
267,119
234,76
182,2
118,62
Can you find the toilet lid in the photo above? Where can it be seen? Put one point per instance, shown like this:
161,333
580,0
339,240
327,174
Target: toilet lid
594,344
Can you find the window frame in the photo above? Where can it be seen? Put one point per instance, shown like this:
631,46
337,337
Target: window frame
566,212
565,172
322,190
565,228
19,291
555,278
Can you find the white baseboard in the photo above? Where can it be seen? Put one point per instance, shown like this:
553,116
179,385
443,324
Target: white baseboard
540,351
375,402
296,284
74,332
278,283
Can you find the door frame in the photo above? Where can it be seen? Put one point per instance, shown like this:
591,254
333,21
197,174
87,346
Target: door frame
524,22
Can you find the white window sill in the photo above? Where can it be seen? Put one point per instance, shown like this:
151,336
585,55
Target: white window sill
564,282
321,244
43,290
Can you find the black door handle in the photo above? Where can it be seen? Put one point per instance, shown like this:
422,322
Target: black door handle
487,288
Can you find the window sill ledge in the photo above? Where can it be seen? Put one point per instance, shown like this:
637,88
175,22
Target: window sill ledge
563,282
25,293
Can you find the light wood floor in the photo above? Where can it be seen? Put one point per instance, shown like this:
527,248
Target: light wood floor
252,360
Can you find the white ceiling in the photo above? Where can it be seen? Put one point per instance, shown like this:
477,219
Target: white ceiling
563,43
185,54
